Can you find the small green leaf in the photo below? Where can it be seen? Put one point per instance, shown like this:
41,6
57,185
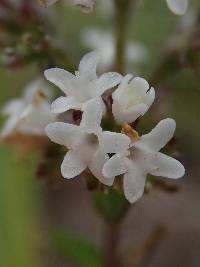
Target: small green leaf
81,252
112,205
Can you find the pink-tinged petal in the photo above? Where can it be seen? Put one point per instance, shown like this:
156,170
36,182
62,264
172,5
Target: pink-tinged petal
62,133
72,165
61,78
63,104
111,142
166,166
96,166
92,115
160,135
134,183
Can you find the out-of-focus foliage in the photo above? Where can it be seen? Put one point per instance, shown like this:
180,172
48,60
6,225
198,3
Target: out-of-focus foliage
18,231
79,251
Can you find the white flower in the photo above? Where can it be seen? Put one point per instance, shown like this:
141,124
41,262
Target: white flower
143,158
87,143
132,99
178,7
29,114
81,87
86,6
104,43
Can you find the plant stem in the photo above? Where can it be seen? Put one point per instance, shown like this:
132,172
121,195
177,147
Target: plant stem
112,245
122,8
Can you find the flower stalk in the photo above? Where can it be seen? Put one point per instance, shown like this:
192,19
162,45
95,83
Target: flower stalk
121,17
112,246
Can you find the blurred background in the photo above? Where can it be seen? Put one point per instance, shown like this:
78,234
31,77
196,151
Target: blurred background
53,223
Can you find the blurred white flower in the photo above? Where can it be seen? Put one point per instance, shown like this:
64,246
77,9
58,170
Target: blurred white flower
178,7
87,143
86,6
132,99
143,158
81,87
30,114
104,43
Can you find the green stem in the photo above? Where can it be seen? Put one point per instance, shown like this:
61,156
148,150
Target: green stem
122,8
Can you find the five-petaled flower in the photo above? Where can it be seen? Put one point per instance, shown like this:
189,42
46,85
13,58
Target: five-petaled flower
141,157
132,99
30,114
83,86
88,145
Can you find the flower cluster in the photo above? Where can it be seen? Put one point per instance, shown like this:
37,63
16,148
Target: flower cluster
89,144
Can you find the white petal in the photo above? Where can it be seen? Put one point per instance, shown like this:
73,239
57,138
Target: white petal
13,107
63,104
128,115
119,92
111,142
88,65
116,165
92,115
34,119
139,85
160,135
10,126
167,166
150,96
62,133
125,81
178,7
134,183
60,78
107,81
96,166
27,111
72,165
37,88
